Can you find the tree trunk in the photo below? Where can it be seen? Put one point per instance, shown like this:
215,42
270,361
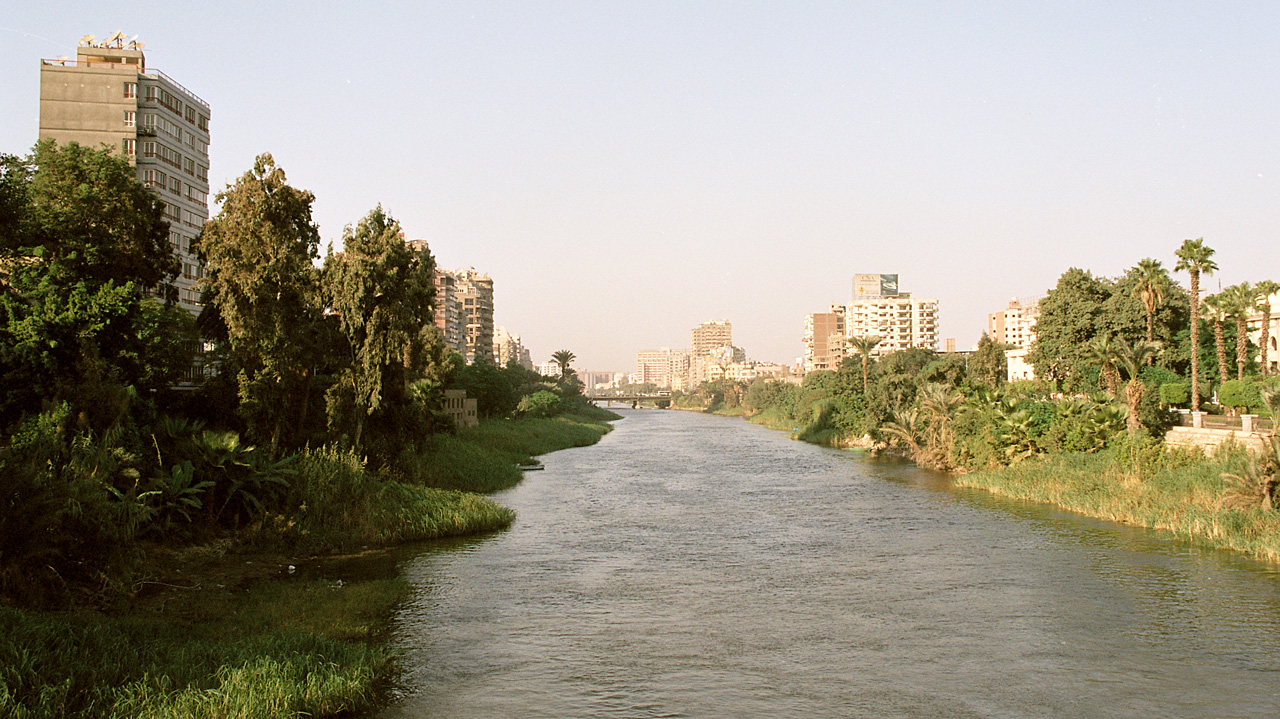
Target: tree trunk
1221,344
1242,344
1133,396
1263,339
1195,341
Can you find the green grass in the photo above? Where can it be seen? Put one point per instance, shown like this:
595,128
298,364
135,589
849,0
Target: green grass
280,647
487,458
1176,492
276,649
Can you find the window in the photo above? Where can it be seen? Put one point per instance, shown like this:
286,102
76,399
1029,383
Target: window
153,93
202,172
130,89
128,146
155,178
204,123
175,241
148,149
175,186
189,166
130,119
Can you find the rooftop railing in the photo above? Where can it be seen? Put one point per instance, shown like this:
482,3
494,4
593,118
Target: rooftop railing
148,73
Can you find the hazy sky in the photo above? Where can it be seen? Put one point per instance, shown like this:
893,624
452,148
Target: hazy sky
625,171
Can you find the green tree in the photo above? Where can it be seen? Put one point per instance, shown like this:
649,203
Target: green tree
382,292
1152,286
1105,354
1243,300
1070,317
259,249
84,255
1266,289
988,367
1132,358
1216,308
564,358
1195,258
865,346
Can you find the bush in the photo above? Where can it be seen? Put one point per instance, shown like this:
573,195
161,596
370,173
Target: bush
1240,394
1175,393
540,404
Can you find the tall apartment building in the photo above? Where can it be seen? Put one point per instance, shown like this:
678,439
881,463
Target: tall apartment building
464,313
824,345
448,311
508,348
109,96
653,367
711,335
901,321
1016,325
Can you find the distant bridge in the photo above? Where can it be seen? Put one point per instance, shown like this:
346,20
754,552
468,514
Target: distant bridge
661,399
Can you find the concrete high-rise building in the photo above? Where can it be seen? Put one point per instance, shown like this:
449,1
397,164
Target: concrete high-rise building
653,366
1016,325
464,312
824,345
900,320
508,348
109,96
711,335
448,312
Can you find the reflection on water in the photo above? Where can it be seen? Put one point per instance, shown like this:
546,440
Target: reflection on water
695,566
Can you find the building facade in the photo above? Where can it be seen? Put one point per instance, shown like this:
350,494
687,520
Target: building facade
824,340
508,348
1015,326
901,321
108,96
464,313
653,367
711,335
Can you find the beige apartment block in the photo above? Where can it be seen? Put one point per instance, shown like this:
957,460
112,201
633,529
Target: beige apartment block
711,335
653,367
1016,325
824,343
508,348
901,321
108,96
464,312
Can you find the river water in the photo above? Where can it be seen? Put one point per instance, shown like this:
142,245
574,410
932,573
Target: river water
699,566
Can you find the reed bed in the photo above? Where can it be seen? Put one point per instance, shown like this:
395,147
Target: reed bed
1172,491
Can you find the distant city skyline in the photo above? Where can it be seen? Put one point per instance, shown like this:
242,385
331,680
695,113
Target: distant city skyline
624,172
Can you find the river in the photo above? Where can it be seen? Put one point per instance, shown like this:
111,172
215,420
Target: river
699,566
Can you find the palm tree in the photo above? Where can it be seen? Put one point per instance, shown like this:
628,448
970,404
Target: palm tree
1216,307
1152,288
1195,257
1244,299
563,358
1103,353
1265,289
865,345
1132,357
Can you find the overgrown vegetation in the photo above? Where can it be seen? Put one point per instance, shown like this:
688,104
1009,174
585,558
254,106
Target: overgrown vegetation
320,428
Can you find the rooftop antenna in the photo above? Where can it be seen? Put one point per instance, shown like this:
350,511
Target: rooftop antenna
62,60
86,41
133,43
139,45
116,37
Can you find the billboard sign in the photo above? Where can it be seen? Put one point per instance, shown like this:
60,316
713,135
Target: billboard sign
870,286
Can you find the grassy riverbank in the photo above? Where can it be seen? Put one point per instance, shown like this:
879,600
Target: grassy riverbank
1178,492
226,630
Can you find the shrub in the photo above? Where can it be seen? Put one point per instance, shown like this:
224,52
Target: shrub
1175,393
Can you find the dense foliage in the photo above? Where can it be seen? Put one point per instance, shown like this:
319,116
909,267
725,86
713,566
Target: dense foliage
315,367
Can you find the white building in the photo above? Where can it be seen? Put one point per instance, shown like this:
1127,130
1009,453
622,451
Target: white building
901,321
